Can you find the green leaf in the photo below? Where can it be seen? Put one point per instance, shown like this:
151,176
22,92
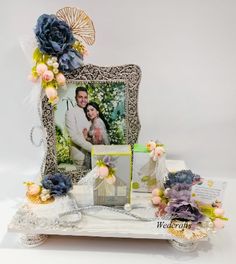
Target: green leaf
209,211
135,185
223,218
45,58
145,178
112,171
152,182
100,163
37,55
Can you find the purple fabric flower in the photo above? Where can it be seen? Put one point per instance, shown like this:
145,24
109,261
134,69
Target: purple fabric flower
109,161
184,211
180,192
54,36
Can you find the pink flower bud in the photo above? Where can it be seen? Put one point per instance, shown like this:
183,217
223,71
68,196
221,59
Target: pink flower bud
32,78
156,192
103,171
219,211
60,78
41,68
156,200
48,76
34,189
159,152
218,223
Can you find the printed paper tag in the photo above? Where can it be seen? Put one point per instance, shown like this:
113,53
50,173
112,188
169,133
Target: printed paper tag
208,191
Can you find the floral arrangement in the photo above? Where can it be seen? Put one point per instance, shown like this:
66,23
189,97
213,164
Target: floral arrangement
106,170
51,186
156,150
60,48
176,201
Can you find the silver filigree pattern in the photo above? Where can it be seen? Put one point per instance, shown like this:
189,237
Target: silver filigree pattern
32,240
129,74
184,246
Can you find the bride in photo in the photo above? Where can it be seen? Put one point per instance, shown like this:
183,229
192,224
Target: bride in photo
97,133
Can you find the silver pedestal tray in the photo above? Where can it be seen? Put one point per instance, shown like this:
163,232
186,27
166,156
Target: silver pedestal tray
92,221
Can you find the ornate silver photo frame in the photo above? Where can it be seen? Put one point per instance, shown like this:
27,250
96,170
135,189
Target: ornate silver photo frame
125,77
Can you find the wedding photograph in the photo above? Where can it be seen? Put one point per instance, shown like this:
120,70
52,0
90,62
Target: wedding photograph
91,113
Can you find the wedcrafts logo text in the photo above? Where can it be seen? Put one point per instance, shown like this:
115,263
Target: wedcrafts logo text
165,222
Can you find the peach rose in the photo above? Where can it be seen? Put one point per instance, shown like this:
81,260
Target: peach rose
48,76
156,192
52,96
41,68
60,78
51,92
159,152
103,171
156,200
34,189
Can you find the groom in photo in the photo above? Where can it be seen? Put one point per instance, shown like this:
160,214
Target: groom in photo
76,122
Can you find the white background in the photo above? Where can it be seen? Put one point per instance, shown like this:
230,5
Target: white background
186,50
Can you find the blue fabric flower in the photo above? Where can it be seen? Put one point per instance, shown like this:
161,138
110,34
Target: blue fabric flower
184,176
53,35
58,184
70,60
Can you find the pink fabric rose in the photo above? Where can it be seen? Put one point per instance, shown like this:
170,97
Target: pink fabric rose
51,92
60,78
41,68
34,189
159,152
156,192
48,76
156,200
102,172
